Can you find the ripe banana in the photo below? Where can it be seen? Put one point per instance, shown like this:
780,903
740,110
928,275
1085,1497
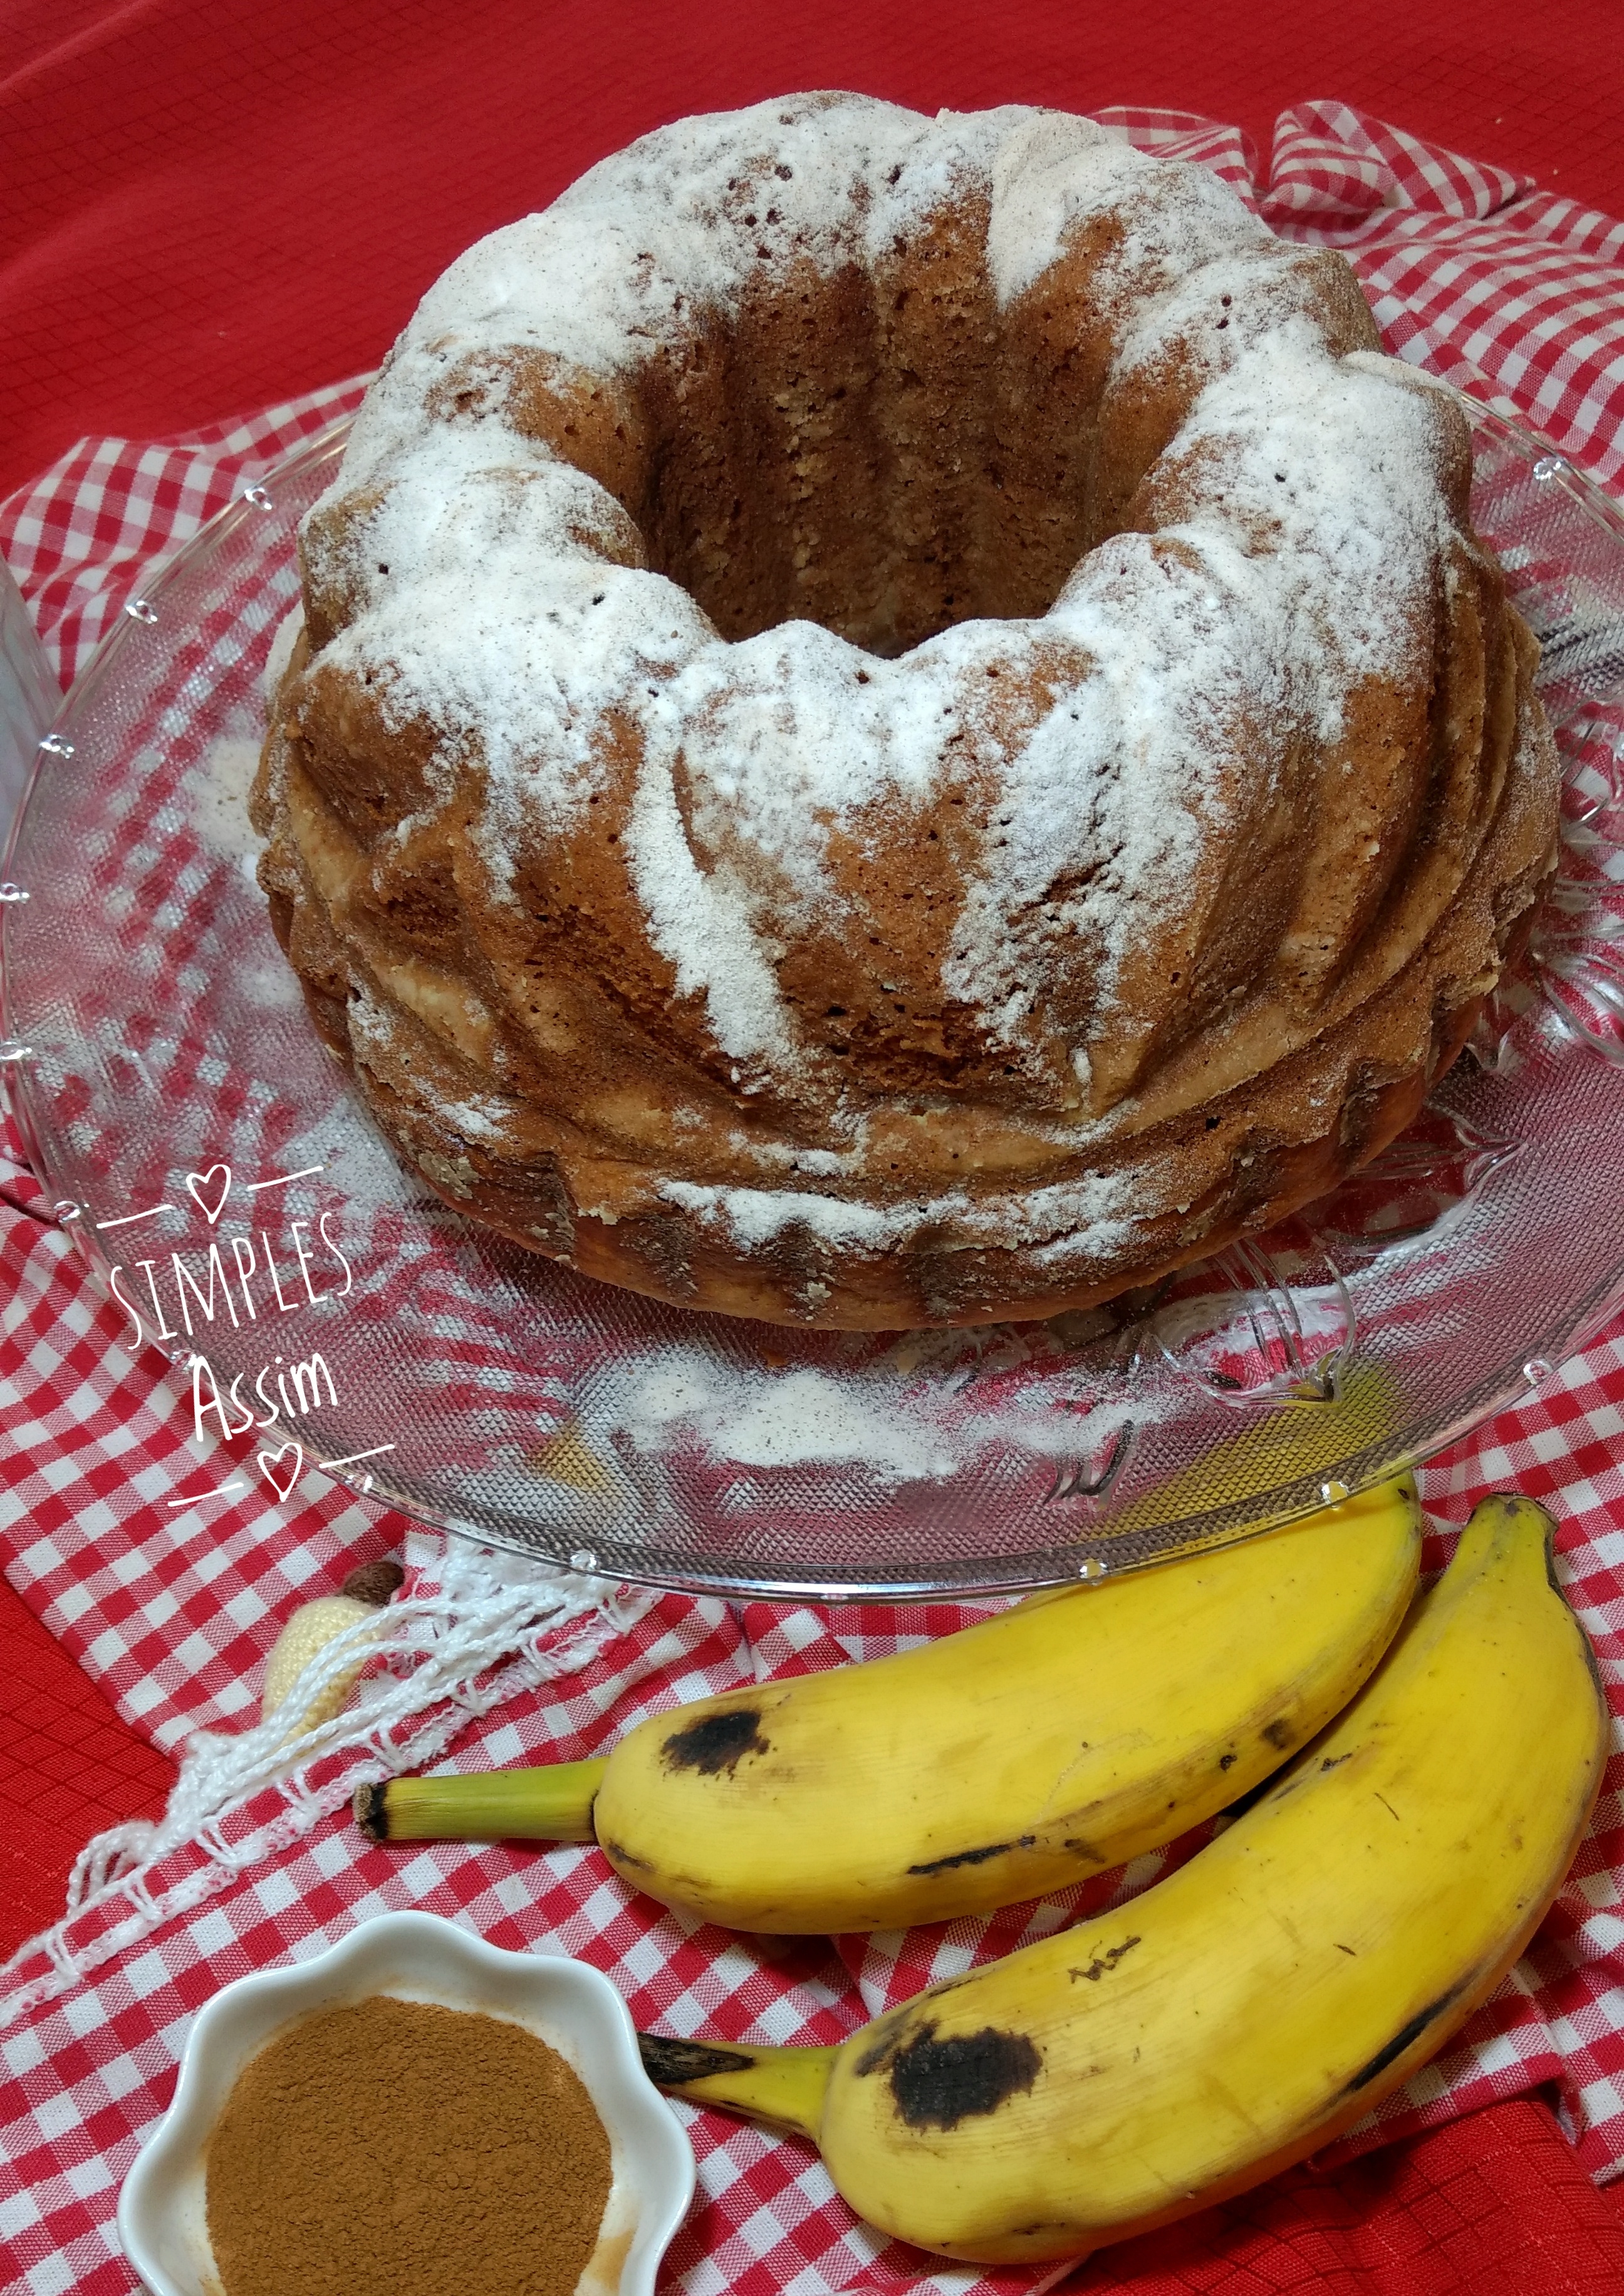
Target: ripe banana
1260,2000
1073,1732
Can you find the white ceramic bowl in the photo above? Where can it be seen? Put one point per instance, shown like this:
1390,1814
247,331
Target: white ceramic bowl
573,2008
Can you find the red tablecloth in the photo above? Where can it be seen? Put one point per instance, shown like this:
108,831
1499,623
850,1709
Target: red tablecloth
209,205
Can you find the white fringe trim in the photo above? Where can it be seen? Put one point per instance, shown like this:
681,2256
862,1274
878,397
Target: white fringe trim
466,1646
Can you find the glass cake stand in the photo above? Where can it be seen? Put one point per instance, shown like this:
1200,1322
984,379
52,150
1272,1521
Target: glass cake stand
228,1191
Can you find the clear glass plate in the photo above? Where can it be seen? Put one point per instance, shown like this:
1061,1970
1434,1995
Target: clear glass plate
221,1181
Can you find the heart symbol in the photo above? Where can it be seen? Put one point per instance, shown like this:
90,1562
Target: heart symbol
267,1467
197,1185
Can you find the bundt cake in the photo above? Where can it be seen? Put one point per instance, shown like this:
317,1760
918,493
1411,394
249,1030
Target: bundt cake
899,721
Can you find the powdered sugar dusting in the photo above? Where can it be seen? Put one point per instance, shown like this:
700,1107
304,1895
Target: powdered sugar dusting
1088,1217
1330,465
1106,807
698,918
1052,173
283,640
802,1418
1297,579
896,1427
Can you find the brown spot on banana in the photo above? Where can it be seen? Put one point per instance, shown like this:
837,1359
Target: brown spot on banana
1405,2037
1105,1962
974,1856
716,1742
937,2084
1279,1734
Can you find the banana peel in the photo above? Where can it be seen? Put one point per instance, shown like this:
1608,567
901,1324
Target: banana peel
1162,2058
1011,1759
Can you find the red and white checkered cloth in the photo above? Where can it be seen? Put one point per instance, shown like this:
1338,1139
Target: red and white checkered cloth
1474,272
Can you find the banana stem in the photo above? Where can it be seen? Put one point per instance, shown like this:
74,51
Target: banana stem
550,1804
782,2087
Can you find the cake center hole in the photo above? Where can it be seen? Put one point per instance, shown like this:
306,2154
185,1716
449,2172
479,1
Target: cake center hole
872,456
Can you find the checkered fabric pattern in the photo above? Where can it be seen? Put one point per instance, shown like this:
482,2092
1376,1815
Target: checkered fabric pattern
79,538
1472,272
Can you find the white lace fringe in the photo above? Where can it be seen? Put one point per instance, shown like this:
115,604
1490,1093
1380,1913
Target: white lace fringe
469,1646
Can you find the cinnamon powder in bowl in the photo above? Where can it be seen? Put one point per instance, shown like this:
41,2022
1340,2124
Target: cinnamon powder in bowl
411,2110
395,2143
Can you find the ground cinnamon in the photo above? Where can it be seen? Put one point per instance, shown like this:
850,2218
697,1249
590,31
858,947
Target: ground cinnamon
389,2145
